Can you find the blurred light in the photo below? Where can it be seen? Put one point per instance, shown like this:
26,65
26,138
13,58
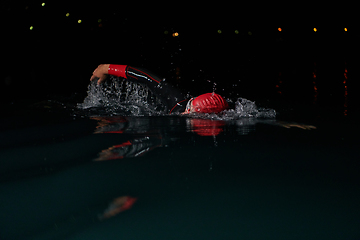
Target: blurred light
219,31
314,83
345,29
31,28
279,29
345,92
249,33
236,31
315,29
175,34
43,4
67,14
278,86
99,20
166,32
79,21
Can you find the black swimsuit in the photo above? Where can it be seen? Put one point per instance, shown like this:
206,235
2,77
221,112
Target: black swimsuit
172,99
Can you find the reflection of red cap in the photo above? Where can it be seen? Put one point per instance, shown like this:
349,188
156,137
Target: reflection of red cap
209,103
207,127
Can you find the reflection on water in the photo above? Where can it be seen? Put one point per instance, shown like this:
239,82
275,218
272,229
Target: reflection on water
117,206
295,125
144,138
140,135
106,124
205,127
132,148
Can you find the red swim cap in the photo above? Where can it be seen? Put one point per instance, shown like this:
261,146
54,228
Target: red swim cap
209,103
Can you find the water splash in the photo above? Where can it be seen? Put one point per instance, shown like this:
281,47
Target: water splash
121,97
243,109
247,108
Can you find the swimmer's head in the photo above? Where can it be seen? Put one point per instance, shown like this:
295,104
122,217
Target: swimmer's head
206,103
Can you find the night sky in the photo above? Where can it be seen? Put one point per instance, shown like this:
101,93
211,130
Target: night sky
52,47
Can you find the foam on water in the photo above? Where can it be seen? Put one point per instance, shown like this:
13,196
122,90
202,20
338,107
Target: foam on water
131,99
247,108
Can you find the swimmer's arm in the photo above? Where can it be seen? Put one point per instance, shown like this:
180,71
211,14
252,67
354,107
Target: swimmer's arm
103,70
170,95
139,75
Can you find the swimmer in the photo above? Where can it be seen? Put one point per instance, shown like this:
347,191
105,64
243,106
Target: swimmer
169,95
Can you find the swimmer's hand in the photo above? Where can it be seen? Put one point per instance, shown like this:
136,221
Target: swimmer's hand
100,72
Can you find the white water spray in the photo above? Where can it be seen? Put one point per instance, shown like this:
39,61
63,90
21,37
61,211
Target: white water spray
121,97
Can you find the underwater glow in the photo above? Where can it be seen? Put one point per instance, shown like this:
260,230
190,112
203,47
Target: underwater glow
43,4
219,31
67,14
236,31
79,21
345,29
315,29
31,28
279,29
175,34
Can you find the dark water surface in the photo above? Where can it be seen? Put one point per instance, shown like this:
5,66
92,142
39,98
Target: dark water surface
65,171
257,179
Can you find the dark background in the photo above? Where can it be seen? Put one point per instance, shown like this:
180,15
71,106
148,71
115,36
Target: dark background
58,55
